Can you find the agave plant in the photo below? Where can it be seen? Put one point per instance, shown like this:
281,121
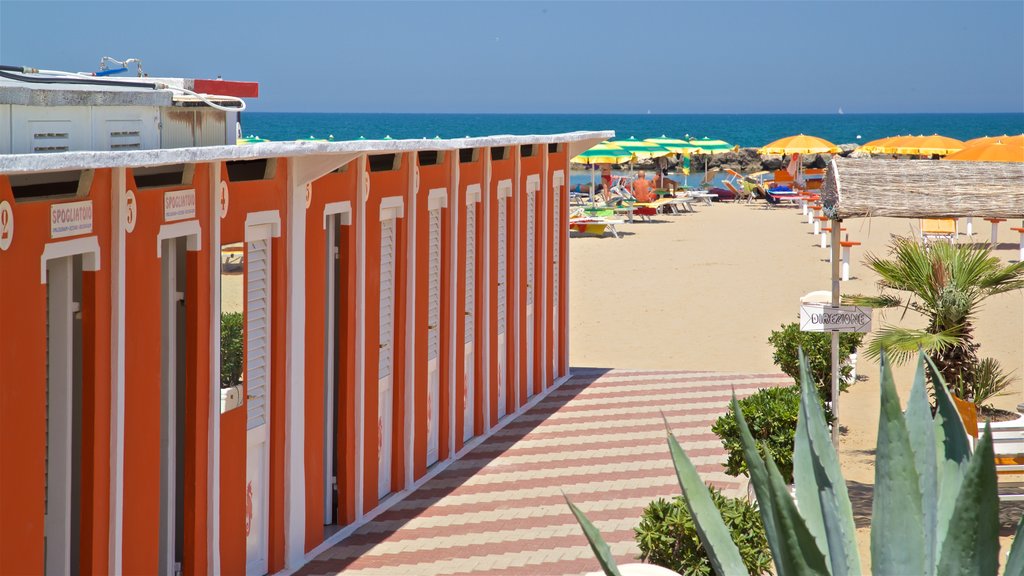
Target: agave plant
935,509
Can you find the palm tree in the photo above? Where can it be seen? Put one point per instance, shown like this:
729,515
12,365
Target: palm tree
946,283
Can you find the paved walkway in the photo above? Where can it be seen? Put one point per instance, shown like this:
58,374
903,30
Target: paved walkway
599,438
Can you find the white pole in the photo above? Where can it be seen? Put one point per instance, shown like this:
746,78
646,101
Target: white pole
836,225
592,184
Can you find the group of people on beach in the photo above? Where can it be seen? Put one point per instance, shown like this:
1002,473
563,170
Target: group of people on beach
640,188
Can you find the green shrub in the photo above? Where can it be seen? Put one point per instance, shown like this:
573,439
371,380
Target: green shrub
817,346
771,414
668,537
232,349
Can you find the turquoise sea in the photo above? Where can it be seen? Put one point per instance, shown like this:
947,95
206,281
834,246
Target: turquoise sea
741,129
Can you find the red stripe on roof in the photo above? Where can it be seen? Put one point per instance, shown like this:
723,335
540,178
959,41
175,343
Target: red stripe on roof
227,88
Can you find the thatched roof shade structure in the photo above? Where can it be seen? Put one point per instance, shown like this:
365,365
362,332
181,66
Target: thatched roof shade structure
855,188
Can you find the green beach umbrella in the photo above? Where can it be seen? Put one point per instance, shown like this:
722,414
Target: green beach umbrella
603,153
711,147
250,139
641,149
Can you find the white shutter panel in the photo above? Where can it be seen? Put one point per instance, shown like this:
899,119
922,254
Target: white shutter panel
434,285
387,293
531,241
257,326
502,238
470,270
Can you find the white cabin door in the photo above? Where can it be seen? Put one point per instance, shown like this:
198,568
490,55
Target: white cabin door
501,298
62,504
331,371
385,363
469,366
433,334
172,409
531,278
556,244
257,382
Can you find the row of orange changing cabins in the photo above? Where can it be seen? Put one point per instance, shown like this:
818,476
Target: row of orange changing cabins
398,300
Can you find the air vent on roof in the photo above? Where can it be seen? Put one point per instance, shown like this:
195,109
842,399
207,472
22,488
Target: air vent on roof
43,142
125,140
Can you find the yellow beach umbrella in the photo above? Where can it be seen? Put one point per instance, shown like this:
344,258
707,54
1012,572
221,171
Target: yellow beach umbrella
935,144
901,144
875,146
603,153
1005,139
997,151
800,144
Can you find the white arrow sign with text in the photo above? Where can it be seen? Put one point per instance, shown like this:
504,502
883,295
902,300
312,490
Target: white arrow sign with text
824,318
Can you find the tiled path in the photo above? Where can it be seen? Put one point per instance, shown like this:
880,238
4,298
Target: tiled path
599,438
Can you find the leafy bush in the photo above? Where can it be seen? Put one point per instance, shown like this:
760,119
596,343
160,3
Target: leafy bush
668,537
232,337
989,381
771,414
817,346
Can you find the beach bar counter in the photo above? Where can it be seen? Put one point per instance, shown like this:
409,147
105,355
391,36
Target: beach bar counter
216,359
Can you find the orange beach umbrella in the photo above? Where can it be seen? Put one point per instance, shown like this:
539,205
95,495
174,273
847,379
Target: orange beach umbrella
1005,139
800,144
935,144
997,151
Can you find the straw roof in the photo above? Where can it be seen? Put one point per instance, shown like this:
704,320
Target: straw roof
922,189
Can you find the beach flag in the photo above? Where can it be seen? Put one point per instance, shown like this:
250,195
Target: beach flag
686,165
794,165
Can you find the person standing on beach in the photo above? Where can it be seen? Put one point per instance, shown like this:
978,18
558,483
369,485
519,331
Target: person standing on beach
606,176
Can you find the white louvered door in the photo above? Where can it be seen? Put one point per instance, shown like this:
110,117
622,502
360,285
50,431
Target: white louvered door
531,277
385,364
257,382
501,298
556,244
469,367
433,334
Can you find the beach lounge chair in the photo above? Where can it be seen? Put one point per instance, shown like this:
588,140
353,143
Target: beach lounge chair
737,194
933,229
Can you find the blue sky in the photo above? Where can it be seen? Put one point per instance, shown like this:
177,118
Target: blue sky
556,56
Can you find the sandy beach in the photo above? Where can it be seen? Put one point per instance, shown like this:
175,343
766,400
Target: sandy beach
703,291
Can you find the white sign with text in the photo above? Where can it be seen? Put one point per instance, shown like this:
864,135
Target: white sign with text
825,318
179,205
70,219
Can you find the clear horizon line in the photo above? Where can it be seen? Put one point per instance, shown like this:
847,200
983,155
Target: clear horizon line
1021,112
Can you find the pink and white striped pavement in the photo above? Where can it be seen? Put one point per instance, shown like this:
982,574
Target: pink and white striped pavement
598,438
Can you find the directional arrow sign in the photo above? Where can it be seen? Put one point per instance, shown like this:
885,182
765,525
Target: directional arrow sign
823,318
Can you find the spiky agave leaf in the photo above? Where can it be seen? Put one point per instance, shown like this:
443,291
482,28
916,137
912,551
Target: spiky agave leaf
597,543
1015,561
972,547
954,452
820,488
896,506
922,440
714,534
799,547
759,480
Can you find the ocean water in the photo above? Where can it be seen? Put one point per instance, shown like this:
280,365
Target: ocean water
741,129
